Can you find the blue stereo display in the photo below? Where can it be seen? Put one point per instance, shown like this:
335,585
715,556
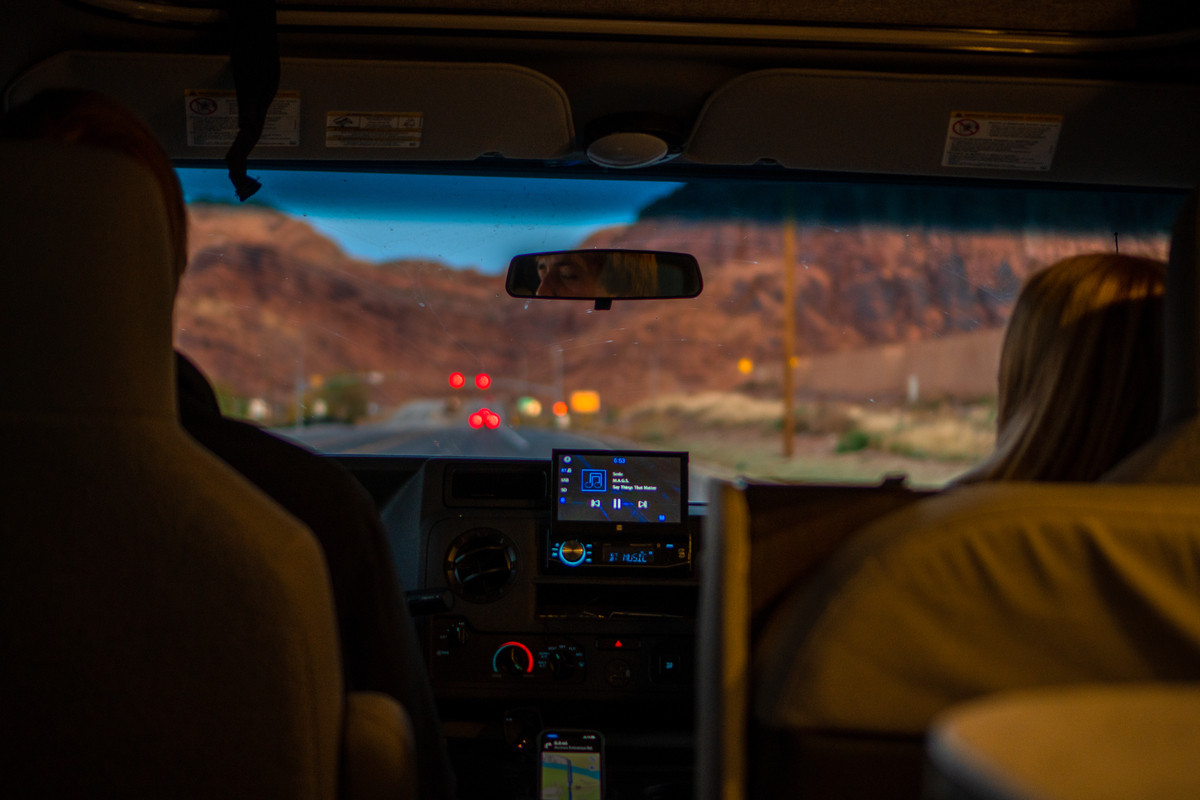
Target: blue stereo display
593,554
628,554
612,488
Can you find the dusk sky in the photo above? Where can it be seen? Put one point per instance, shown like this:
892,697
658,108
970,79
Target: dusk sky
462,221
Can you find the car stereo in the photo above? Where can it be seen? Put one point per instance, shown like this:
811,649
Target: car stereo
618,512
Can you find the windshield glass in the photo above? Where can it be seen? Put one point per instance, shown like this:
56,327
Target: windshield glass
845,332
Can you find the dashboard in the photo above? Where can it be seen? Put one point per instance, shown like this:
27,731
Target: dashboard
573,593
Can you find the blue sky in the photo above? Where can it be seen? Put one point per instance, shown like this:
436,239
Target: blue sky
462,221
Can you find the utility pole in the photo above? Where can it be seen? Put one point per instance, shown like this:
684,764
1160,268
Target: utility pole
789,324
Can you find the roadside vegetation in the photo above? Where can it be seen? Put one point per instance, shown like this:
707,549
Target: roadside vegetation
735,434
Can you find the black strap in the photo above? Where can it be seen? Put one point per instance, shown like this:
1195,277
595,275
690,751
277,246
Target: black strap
254,58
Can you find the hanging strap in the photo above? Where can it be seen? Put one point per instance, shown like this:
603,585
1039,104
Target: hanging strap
254,58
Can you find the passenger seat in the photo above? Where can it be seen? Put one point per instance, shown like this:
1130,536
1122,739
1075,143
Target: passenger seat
983,589
1085,742
1173,456
1117,740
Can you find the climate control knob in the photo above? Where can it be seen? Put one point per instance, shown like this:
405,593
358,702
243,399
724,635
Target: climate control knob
512,658
563,659
572,552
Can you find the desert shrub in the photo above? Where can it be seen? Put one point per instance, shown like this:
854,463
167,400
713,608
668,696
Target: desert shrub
343,398
853,441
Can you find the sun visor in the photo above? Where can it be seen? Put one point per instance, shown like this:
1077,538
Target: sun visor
935,125
330,110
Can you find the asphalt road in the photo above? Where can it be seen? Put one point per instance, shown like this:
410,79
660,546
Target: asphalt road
440,440
419,429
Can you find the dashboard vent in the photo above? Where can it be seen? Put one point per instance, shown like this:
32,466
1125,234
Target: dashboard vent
481,564
512,485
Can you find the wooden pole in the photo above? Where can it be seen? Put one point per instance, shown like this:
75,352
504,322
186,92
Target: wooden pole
789,326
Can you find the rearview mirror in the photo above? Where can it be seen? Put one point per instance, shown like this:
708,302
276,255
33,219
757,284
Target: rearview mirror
604,275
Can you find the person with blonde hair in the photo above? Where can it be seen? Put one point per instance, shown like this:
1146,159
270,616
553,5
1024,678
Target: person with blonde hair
1080,370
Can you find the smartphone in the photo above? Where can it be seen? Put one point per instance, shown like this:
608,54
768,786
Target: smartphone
570,765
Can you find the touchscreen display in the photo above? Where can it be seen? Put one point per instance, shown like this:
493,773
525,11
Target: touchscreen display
620,487
572,765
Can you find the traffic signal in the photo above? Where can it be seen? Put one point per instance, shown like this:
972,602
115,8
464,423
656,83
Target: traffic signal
458,380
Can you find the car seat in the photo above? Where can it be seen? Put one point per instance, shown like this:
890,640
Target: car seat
981,589
1173,455
761,541
1085,742
168,630
984,588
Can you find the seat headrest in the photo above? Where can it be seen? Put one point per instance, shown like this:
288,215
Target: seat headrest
89,283
1173,454
1181,322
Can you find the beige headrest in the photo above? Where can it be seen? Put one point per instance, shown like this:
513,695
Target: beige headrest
88,289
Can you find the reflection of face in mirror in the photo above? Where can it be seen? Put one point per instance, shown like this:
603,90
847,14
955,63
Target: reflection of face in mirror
603,275
597,274
571,275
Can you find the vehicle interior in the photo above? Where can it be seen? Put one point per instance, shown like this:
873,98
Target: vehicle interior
687,532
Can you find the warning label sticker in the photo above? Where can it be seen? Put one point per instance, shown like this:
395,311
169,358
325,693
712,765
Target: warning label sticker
1001,141
373,128
212,119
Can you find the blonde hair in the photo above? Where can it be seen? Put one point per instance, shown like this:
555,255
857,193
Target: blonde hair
79,116
630,274
1080,370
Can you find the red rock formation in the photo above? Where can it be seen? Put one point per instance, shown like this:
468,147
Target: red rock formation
269,303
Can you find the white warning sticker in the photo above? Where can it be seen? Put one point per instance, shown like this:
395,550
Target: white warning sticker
1001,141
373,128
212,119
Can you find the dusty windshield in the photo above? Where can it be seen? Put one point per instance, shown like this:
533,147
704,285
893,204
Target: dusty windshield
845,331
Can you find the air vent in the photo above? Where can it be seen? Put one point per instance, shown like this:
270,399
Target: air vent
481,564
515,484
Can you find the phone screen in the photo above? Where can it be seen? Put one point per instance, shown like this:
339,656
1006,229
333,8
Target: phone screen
571,765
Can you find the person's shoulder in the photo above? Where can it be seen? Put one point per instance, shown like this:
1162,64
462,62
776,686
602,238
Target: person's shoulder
283,450
314,487
276,464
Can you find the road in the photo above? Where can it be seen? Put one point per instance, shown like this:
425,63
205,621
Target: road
440,440
422,429
435,428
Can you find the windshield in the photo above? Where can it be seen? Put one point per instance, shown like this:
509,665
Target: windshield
846,332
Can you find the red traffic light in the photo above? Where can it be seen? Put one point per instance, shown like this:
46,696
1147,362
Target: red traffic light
457,381
483,380
475,420
492,420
